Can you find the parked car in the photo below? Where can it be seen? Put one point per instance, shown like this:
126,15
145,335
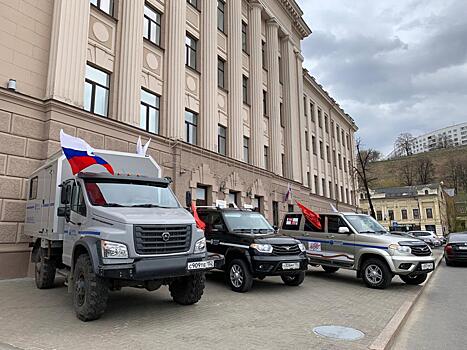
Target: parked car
400,233
456,248
443,239
358,242
428,237
252,248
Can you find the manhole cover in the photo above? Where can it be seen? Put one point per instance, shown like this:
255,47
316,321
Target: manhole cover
338,332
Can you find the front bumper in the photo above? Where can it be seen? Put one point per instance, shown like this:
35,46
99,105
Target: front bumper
264,265
159,268
409,265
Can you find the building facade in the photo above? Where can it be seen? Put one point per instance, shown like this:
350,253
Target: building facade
218,86
421,207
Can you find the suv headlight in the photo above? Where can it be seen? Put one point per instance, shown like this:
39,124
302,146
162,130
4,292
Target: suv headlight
200,245
395,249
114,250
262,248
302,247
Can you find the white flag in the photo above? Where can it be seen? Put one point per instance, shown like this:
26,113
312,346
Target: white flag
140,149
333,208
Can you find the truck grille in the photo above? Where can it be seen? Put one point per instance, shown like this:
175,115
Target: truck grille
162,239
285,249
420,250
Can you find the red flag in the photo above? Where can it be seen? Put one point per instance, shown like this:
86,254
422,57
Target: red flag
199,223
310,215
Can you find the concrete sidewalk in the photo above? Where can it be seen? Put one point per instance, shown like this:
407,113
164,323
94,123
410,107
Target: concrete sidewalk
271,316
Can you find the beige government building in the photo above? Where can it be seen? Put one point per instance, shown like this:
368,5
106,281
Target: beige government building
218,86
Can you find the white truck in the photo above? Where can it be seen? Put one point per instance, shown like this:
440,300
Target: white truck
104,232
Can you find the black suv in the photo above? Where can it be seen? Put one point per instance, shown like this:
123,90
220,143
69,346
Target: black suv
251,247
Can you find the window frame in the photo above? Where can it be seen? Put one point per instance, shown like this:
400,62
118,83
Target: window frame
245,41
195,5
189,50
97,5
93,91
246,148
221,72
220,14
158,25
33,185
245,90
189,126
148,106
220,138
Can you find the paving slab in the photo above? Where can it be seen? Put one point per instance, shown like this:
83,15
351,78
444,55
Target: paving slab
270,316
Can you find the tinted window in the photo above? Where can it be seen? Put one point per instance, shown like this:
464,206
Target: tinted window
292,222
334,222
33,188
312,228
77,201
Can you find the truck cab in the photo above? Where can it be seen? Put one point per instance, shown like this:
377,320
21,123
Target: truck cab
105,232
252,248
358,242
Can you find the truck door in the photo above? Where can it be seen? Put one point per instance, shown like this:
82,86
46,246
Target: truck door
341,242
215,232
75,219
47,198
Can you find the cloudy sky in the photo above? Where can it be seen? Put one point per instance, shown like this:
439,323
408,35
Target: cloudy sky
394,66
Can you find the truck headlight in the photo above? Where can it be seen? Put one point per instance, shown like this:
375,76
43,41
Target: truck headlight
302,247
395,249
113,250
200,245
262,248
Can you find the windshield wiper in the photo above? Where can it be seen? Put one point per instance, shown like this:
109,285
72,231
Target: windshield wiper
267,230
250,230
147,205
112,205
369,231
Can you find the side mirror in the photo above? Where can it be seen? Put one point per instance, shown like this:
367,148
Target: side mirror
275,227
64,194
343,229
217,228
188,199
61,211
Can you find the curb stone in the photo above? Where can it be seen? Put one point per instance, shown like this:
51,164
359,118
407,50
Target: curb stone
386,338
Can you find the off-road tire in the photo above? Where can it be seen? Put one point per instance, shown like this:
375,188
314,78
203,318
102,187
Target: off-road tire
448,263
239,266
90,292
188,290
294,280
414,280
329,269
44,271
385,274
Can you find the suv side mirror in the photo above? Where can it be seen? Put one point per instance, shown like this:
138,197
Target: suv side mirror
188,199
218,227
61,211
64,194
275,227
343,229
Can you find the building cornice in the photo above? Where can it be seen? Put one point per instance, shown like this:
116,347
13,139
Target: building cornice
296,13
319,88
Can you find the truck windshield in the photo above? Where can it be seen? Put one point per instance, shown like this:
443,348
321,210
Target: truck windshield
365,224
130,194
243,221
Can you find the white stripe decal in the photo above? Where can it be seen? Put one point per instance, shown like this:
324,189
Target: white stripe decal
234,245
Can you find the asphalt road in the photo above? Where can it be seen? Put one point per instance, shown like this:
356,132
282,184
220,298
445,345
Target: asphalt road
439,319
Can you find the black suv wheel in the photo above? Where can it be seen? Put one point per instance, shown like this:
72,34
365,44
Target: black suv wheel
414,279
239,276
294,280
376,274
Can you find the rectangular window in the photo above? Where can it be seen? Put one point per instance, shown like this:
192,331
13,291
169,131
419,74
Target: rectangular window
391,214
344,164
429,213
221,15
312,112
265,103
316,184
332,128
96,91
152,25
201,196
281,71
340,161
328,155
330,189
342,194
245,89
33,188
326,123
244,37
283,163
323,186
416,214
379,215
337,133
313,144
290,208
281,115
104,5
149,112
191,126
320,122
307,145
232,197
342,138
404,214
266,157
348,141
193,3
191,45
304,106
321,150
246,149
275,213
347,199
263,53
220,73
308,178
222,140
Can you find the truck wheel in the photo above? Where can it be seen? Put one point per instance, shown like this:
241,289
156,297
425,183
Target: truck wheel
90,292
239,276
44,272
376,274
414,280
448,263
294,280
329,269
188,290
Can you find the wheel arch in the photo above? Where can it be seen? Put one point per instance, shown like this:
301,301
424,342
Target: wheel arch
371,255
90,246
236,253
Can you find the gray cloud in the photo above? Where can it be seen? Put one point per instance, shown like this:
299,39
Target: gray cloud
394,66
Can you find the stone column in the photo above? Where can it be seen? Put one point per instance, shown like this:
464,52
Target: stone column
301,115
68,48
272,43
208,102
318,189
174,75
234,64
256,86
130,62
291,111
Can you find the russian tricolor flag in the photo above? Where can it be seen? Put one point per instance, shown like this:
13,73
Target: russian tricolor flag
80,154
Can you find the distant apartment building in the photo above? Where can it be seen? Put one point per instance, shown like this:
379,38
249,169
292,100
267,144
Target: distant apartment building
421,207
218,86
